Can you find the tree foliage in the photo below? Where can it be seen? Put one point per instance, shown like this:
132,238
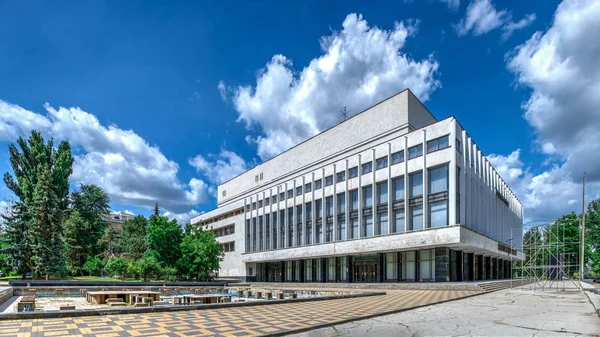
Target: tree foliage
40,181
116,266
133,237
92,203
93,265
200,254
164,238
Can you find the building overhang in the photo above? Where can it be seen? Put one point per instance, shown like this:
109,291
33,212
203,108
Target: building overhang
454,237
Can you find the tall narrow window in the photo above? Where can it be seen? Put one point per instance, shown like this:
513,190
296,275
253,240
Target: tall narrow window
308,207
382,192
319,208
354,224
341,203
354,200
398,225
329,206
416,215
438,213
382,222
368,196
368,225
341,229
416,184
398,189
438,179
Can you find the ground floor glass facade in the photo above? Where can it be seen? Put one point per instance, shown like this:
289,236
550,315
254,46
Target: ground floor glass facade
439,264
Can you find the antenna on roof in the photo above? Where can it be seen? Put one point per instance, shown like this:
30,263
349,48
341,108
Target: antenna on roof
344,114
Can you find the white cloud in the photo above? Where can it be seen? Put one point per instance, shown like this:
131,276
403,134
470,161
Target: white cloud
219,168
129,169
222,90
483,17
510,27
452,4
560,67
360,66
182,218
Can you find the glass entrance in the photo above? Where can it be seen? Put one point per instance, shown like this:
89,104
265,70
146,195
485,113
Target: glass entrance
364,268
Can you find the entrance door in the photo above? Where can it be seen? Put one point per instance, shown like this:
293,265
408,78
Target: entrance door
365,272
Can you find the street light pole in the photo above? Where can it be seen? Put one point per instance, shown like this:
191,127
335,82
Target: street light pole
582,244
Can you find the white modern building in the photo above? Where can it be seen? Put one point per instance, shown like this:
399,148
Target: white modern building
389,195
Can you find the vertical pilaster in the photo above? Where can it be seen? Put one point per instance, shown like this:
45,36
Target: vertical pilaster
360,201
452,176
425,183
389,187
335,216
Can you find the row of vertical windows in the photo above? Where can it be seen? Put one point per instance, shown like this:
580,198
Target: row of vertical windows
397,157
375,221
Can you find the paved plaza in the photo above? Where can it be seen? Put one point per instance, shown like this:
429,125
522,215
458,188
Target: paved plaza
235,321
503,313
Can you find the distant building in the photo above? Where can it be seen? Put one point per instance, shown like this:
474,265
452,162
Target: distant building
116,220
389,195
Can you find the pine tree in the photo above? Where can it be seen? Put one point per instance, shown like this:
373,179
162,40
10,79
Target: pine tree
17,240
41,182
46,229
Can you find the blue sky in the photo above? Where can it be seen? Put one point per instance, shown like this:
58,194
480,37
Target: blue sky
164,100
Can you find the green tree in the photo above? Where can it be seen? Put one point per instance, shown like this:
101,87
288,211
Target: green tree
133,269
16,239
148,266
75,230
116,266
92,203
133,237
200,254
563,237
47,246
592,236
40,181
111,243
93,265
164,238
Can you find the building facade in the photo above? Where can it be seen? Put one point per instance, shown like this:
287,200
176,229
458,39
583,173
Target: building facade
389,195
116,220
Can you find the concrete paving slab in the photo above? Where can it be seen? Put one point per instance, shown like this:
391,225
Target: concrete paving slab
504,313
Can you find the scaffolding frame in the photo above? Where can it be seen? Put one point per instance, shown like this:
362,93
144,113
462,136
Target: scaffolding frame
550,260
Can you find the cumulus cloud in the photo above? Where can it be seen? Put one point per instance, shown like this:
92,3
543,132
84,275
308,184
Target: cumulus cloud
182,218
219,168
129,169
359,66
559,66
483,17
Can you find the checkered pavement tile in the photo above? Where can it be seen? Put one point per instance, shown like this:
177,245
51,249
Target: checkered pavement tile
234,321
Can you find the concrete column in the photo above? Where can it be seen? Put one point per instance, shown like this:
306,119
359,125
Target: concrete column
452,176
271,228
294,217
347,197
264,223
244,234
286,226
323,208
463,179
425,183
389,186
335,217
407,220
360,201
303,218
314,212
374,193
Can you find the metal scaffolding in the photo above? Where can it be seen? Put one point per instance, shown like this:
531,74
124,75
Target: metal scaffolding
551,260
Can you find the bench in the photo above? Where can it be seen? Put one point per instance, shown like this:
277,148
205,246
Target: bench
141,304
67,307
116,304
